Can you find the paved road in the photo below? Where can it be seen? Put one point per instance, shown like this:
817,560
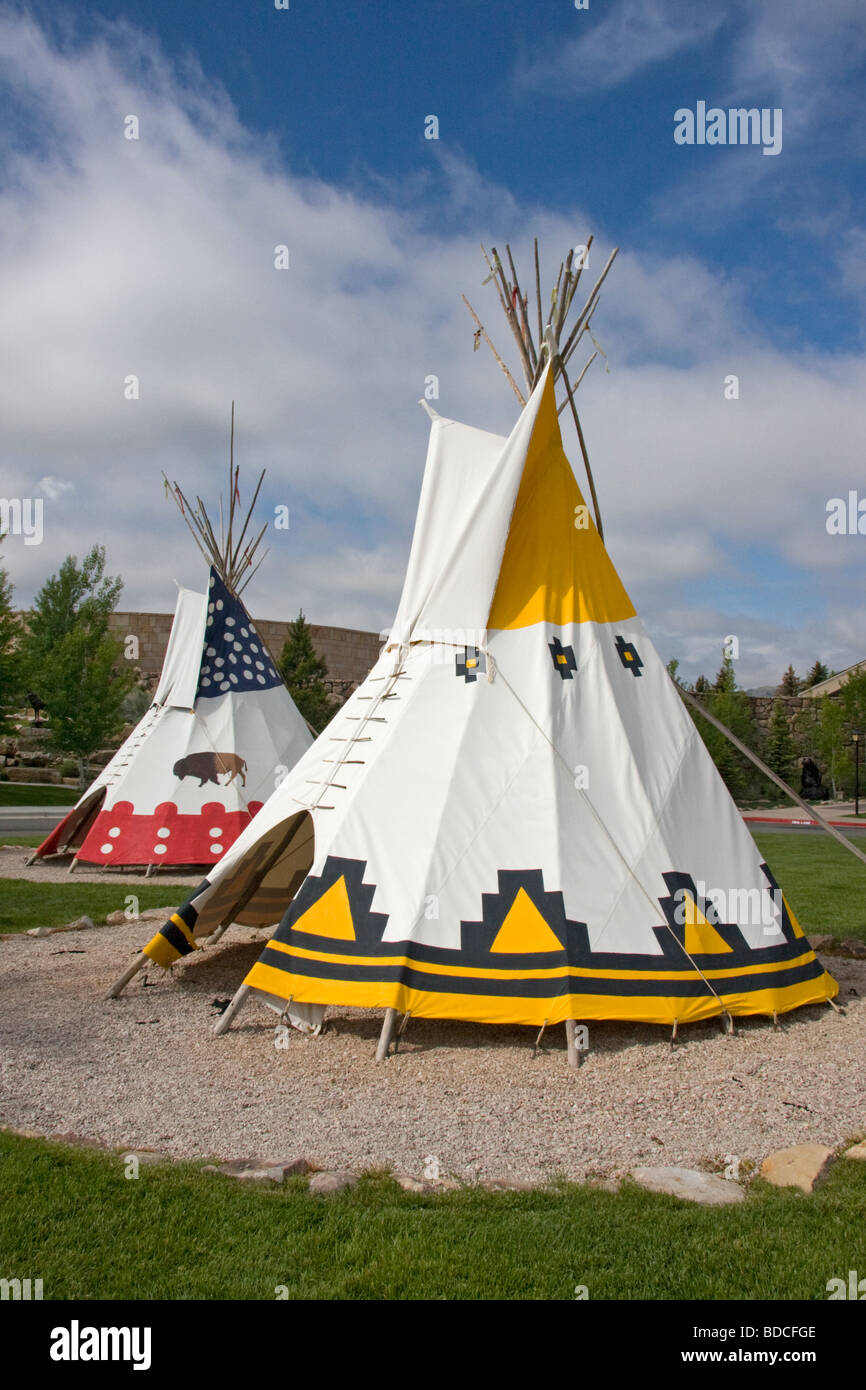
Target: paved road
30,820
781,828
33,820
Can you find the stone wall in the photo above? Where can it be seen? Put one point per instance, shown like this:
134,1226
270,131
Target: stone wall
762,708
349,653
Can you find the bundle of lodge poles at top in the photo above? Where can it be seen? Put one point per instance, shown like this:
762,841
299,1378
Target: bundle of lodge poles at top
551,329
533,358
232,560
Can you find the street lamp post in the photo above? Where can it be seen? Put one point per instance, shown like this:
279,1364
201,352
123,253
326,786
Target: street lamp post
856,739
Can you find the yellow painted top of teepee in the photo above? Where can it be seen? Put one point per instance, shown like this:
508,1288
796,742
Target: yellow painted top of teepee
555,568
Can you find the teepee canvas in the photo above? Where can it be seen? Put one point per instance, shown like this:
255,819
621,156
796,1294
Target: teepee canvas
221,730
513,819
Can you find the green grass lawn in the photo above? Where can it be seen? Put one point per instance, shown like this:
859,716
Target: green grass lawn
25,904
825,885
47,794
71,1218
26,841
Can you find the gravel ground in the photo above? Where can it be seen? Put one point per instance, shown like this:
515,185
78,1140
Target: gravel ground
13,864
145,1071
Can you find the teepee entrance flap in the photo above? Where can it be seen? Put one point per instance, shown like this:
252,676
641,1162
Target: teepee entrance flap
470,484
178,679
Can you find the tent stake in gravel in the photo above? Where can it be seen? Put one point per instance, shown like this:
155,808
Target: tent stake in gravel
129,974
141,960
224,1022
571,1042
385,1035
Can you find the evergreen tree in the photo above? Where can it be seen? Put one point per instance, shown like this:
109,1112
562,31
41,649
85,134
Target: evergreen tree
305,674
72,661
780,753
10,658
733,708
790,684
725,678
819,672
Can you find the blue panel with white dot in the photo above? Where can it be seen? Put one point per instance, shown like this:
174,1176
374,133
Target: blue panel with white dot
234,657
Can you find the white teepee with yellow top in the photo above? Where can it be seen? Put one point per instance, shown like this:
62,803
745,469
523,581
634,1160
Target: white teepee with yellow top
513,819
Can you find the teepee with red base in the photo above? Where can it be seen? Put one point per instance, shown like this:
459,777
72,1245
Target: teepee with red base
220,734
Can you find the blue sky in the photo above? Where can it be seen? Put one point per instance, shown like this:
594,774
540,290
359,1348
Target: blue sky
338,87
307,126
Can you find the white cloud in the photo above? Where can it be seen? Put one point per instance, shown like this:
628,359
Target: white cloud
798,54
852,263
155,257
805,59
54,488
630,36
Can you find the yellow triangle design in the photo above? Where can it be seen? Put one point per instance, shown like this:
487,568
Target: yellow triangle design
701,937
552,570
330,915
524,929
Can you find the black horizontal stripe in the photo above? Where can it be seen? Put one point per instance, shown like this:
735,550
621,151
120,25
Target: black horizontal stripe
176,939
521,987
188,914
443,956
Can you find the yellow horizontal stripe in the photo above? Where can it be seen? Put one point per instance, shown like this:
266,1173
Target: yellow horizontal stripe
161,952
479,1008
551,973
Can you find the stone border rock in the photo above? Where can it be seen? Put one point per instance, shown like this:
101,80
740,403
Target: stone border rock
804,1166
851,947
692,1186
114,919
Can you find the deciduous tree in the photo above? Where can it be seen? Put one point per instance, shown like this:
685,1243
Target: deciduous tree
72,661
